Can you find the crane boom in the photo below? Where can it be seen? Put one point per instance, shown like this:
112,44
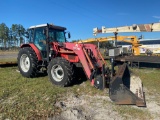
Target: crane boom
153,27
129,39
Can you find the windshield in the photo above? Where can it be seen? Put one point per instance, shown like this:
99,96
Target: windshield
56,35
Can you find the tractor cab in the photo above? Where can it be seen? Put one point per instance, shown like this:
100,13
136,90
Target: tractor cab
42,35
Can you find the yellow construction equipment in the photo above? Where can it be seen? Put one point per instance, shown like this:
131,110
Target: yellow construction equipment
151,27
129,39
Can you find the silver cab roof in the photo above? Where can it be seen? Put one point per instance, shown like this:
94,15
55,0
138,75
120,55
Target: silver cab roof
50,25
35,26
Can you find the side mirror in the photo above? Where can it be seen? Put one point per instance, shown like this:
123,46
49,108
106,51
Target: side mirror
69,35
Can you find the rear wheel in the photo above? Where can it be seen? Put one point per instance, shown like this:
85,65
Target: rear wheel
27,62
60,71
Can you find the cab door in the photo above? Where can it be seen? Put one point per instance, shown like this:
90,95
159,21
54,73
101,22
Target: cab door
40,41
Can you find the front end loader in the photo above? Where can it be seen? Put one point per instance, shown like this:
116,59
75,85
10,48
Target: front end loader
48,49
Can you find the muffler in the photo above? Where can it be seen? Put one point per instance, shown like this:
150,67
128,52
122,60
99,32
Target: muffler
125,89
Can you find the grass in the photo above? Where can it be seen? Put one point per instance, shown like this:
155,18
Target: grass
35,98
26,98
129,112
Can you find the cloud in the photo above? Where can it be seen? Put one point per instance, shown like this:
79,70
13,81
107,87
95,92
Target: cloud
121,13
157,17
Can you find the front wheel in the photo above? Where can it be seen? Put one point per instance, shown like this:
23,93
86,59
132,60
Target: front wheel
60,71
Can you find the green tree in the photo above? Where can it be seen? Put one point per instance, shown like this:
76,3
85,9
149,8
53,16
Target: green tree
4,34
106,44
74,41
21,32
21,40
14,33
18,32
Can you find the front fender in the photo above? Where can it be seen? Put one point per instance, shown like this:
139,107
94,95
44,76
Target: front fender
36,50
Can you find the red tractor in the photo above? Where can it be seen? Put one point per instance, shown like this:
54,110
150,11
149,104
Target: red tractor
49,49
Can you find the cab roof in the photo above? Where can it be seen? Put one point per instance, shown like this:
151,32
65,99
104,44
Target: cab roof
50,26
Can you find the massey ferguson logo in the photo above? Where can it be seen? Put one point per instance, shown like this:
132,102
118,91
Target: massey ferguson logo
76,47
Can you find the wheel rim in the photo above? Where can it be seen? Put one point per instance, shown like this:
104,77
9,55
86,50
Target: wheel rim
25,63
57,73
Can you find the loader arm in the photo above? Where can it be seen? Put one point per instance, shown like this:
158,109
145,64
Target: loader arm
91,60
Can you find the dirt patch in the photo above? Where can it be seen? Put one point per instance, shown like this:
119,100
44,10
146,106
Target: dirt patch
153,106
86,108
97,107
154,109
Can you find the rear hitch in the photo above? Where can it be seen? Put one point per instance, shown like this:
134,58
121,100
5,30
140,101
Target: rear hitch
125,89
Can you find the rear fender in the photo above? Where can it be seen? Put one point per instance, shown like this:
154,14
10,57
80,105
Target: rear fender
36,50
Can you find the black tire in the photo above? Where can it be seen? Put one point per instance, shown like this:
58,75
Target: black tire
27,62
60,72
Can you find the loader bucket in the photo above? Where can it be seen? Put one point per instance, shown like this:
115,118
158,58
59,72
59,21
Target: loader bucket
125,89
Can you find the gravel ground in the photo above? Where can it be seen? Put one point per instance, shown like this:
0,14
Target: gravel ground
4,55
